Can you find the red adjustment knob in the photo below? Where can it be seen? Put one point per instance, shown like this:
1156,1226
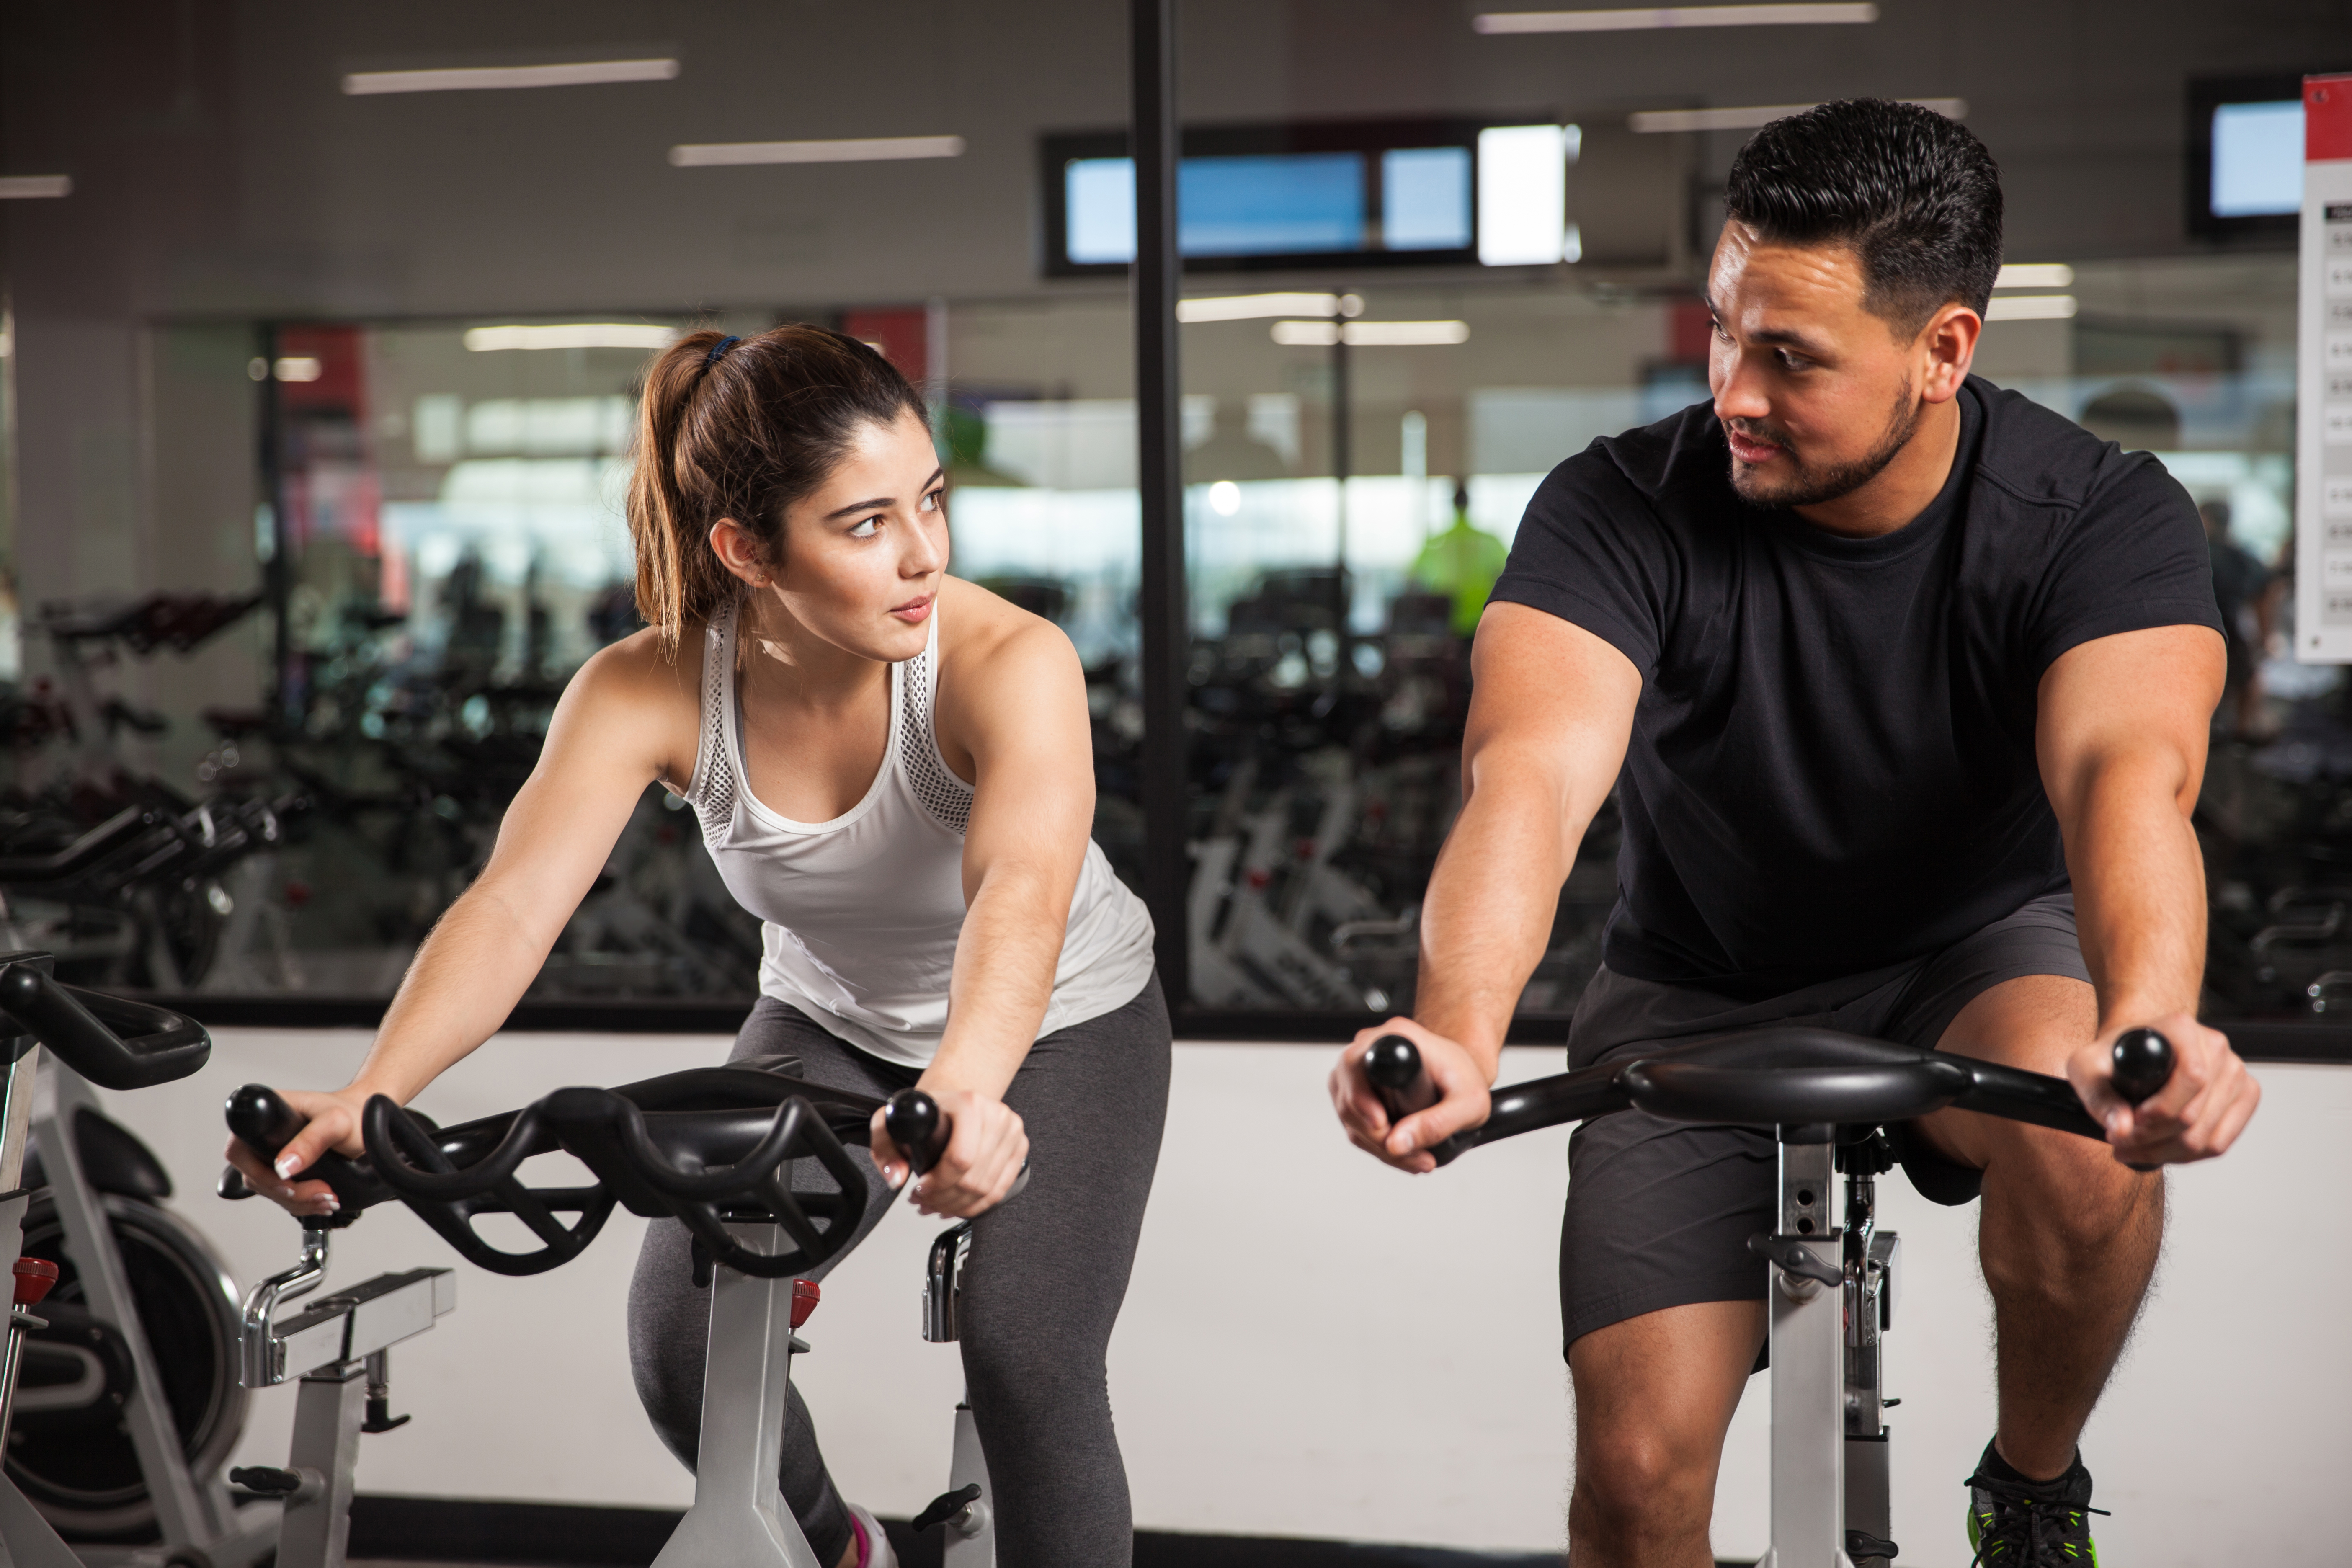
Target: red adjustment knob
805,1295
34,1276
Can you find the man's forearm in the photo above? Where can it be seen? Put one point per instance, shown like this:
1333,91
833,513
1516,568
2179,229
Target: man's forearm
1490,910
2139,891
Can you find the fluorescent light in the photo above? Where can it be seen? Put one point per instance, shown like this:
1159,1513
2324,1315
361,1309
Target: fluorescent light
1369,334
571,335
1656,119
1523,194
1252,307
2031,307
2035,275
477,79
850,150
1649,17
19,186
297,367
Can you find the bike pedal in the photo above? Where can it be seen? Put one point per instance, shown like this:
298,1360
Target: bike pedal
268,1480
946,1506
1864,1547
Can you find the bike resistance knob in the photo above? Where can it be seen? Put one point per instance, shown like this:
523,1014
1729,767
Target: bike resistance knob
917,1124
2144,1061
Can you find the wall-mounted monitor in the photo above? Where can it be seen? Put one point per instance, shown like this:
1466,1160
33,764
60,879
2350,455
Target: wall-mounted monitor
1365,192
2245,156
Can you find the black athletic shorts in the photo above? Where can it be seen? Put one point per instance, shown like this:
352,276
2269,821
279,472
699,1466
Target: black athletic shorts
1659,1213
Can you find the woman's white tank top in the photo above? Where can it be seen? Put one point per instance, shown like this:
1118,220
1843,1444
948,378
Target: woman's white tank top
861,914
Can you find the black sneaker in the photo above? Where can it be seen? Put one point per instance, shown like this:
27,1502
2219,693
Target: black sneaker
2015,1523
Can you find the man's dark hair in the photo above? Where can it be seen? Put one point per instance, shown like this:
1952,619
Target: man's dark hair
1914,194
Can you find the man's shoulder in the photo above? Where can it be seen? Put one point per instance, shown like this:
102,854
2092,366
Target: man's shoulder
2037,457
1667,466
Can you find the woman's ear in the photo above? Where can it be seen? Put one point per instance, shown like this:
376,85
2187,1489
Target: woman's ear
739,550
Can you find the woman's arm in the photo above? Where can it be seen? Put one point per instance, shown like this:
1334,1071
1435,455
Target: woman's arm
627,718
1015,706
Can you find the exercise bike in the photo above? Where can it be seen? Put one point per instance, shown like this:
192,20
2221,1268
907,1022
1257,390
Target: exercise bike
1829,1098
714,1148
119,1044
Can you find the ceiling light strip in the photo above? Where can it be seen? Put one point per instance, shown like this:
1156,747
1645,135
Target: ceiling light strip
1650,18
1254,307
2035,275
480,78
853,149
19,187
2031,307
1658,120
1370,334
571,335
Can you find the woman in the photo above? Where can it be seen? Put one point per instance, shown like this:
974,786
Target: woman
821,691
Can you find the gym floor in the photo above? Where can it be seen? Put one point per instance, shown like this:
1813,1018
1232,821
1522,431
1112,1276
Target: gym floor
415,1532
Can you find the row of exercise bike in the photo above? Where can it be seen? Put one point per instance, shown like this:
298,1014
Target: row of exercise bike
127,1360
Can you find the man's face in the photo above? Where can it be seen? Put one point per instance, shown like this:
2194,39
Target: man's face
1816,394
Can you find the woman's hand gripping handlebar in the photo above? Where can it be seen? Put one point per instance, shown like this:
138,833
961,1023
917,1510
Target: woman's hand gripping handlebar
262,1123
1786,1075
294,1150
962,1165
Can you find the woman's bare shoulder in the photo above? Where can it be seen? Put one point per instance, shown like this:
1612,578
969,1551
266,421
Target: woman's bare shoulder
636,693
981,632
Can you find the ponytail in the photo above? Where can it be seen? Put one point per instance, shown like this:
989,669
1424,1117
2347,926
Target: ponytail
741,428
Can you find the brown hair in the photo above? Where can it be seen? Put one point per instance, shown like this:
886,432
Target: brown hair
742,435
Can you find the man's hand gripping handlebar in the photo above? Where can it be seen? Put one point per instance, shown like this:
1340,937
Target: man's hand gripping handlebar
1763,1077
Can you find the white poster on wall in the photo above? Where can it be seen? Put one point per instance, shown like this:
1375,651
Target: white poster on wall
2324,379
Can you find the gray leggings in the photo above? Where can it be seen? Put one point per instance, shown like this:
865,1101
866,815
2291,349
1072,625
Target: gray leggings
1047,1273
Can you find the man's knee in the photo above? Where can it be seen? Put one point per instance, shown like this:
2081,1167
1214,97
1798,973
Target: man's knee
1644,1478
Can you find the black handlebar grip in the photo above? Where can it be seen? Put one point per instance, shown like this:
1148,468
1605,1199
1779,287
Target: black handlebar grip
920,1129
1394,1066
265,1123
2144,1061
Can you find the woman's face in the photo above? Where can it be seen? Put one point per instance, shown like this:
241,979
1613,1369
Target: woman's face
865,554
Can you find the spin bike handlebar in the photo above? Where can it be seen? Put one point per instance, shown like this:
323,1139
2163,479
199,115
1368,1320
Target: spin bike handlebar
112,1041
710,1147
1777,1077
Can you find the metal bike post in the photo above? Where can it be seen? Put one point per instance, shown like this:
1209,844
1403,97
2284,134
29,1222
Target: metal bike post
739,1519
967,1522
970,1540
316,1529
184,1513
1869,1300
26,1539
1808,1341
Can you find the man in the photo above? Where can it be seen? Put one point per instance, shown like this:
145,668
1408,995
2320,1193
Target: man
1909,681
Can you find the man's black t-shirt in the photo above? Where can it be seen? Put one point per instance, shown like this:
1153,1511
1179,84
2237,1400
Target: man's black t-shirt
1833,765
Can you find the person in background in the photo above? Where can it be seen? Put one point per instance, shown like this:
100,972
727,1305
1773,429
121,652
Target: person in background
1461,564
2242,588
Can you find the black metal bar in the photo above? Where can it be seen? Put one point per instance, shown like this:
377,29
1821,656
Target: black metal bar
1342,461
1159,482
277,571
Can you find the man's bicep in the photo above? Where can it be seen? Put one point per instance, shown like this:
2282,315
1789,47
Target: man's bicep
2144,696
1547,692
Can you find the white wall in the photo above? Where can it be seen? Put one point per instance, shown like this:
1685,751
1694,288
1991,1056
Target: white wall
1314,1346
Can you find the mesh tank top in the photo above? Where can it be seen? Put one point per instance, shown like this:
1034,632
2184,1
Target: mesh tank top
861,914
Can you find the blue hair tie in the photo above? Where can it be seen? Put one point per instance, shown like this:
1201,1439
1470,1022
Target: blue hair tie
720,347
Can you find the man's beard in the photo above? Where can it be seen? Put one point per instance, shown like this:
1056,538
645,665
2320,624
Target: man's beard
1803,486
